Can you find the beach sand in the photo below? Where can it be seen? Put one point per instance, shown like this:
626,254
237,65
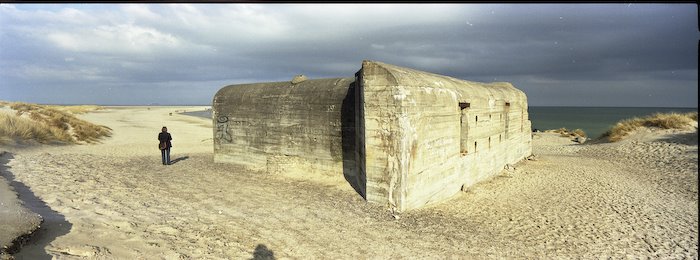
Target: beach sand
634,199
16,221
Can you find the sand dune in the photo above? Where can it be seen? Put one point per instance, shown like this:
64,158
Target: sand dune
633,199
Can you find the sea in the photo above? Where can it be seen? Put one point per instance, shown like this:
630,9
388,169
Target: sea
593,120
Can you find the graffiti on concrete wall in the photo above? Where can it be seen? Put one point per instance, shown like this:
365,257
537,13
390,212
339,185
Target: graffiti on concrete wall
222,132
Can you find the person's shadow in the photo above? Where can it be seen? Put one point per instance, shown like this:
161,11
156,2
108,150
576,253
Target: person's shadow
263,253
179,159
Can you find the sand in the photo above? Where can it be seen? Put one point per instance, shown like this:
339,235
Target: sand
633,199
17,222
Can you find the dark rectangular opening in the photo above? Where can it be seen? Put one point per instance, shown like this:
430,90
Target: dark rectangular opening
464,127
507,104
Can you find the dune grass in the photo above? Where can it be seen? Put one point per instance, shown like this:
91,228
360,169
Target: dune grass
568,133
48,124
77,110
660,120
14,127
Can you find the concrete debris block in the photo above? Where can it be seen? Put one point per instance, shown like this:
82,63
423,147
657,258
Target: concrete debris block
394,213
298,79
580,139
531,158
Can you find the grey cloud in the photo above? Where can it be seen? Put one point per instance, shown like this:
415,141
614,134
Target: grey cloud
553,52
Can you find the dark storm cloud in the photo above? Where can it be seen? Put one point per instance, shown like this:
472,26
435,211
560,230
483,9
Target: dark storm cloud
567,54
573,43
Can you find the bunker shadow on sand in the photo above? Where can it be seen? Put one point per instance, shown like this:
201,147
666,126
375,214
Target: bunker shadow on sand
54,224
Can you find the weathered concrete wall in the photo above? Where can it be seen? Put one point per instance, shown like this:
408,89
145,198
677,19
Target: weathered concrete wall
283,126
422,147
401,137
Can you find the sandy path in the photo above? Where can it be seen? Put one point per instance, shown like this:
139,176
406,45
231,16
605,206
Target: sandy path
115,200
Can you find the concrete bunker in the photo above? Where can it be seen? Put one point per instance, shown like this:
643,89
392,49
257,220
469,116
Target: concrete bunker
401,137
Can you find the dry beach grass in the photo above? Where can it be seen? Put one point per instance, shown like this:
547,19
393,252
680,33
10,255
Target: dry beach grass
567,133
636,198
659,120
25,122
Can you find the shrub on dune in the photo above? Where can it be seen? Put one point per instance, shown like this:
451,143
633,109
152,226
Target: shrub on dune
88,132
77,110
45,124
659,120
13,127
579,132
671,120
568,133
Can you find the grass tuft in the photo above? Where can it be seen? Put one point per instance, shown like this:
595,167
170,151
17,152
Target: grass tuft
49,124
660,120
568,133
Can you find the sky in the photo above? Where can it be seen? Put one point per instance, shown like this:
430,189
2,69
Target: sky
634,55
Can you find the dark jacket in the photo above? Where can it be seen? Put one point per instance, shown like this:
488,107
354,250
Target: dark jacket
165,137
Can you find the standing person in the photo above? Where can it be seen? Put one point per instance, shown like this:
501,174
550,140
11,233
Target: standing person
164,138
